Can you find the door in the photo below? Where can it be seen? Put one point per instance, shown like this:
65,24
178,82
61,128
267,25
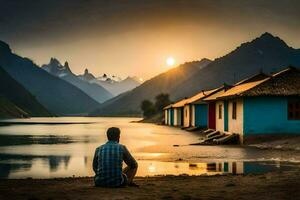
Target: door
212,115
225,115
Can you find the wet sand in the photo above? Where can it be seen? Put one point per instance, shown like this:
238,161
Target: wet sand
275,185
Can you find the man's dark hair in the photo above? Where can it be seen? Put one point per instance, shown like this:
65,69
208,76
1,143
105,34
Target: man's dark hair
113,134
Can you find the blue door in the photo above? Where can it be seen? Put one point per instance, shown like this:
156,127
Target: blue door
225,115
172,117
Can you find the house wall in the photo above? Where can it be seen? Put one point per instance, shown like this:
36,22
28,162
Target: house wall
166,117
193,110
268,115
201,115
169,116
186,115
219,122
236,125
175,117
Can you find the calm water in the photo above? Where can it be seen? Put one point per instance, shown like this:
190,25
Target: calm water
61,147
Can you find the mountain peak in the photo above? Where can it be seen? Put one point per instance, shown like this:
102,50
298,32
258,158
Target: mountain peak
66,65
54,62
270,40
4,47
267,35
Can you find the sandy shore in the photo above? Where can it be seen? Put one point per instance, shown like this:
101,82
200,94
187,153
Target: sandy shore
275,185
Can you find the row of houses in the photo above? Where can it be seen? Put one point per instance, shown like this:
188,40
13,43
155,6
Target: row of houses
261,104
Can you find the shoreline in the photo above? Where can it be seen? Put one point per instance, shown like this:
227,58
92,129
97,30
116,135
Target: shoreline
273,185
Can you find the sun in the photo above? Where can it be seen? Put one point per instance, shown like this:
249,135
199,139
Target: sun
170,61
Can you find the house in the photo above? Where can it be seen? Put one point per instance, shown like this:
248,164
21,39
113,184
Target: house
213,121
178,109
188,111
167,114
196,110
265,105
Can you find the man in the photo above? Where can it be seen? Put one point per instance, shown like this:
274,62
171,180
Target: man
108,161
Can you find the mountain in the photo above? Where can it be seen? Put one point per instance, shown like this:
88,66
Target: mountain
266,53
129,103
56,95
64,72
16,101
113,84
9,110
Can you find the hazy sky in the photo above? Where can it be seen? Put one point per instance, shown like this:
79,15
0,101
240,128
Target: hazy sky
134,37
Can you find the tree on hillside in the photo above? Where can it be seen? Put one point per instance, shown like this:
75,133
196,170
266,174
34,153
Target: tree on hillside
161,101
148,108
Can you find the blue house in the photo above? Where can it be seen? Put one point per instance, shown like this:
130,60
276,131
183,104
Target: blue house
189,112
169,115
269,105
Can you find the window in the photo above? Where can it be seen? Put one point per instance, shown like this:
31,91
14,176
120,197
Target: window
234,110
220,111
294,110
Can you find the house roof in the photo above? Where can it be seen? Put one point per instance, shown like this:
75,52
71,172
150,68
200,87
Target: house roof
167,107
256,77
194,99
180,103
201,95
283,83
220,91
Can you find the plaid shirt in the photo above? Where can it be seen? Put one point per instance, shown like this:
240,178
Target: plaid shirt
108,161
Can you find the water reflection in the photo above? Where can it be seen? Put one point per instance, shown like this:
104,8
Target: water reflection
63,147
18,166
150,168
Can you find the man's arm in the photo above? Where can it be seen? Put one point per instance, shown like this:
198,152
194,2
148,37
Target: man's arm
95,161
128,159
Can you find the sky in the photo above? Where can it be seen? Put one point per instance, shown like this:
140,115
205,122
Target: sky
135,37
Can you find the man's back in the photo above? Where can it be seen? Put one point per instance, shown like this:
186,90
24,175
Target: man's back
107,164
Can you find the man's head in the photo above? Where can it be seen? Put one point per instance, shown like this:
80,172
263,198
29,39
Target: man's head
113,134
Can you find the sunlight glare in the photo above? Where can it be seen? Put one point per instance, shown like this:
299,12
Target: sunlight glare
170,61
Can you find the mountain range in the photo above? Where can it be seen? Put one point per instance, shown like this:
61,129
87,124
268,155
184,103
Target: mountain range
266,53
113,84
95,91
16,101
56,95
163,83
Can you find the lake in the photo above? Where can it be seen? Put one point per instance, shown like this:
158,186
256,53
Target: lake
64,147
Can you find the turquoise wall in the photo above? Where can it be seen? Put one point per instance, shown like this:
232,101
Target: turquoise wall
172,116
201,115
225,115
268,115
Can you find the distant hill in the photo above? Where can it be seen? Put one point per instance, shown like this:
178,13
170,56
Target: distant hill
129,103
64,72
113,84
266,53
16,101
58,96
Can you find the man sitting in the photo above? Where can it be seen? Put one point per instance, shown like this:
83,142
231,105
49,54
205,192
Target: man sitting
108,161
